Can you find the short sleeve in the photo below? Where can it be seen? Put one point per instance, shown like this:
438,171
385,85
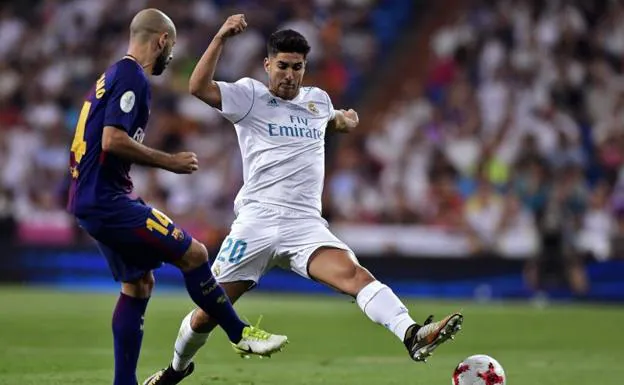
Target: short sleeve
330,106
236,99
123,104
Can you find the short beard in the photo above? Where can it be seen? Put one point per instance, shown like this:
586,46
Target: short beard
161,63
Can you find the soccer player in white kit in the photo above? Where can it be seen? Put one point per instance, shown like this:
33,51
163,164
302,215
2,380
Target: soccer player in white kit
281,130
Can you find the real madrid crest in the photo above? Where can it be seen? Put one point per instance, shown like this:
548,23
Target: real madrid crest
312,108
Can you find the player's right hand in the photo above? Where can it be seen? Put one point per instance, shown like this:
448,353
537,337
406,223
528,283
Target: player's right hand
184,163
234,25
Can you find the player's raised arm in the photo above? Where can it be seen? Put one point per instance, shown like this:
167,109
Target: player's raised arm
344,121
201,83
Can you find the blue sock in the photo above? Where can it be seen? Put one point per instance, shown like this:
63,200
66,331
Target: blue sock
128,335
210,297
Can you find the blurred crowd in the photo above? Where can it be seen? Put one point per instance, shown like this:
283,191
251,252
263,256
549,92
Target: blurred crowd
517,133
515,138
53,51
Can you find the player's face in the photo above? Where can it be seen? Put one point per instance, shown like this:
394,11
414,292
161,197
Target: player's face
285,74
165,46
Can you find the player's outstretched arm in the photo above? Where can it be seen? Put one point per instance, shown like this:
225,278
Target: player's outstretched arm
344,121
117,141
201,83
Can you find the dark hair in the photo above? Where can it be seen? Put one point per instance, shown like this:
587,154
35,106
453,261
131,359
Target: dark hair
287,41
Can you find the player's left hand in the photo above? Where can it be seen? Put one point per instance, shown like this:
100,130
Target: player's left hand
351,118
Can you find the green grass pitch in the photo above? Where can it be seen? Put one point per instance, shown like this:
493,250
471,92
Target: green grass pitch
49,337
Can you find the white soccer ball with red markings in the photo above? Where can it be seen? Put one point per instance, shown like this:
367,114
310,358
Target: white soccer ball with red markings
479,370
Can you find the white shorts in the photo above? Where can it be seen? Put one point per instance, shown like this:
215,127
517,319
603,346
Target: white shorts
264,236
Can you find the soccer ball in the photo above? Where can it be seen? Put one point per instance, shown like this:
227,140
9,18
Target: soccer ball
479,370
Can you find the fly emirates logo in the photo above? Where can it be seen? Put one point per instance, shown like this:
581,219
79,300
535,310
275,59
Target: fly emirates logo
298,128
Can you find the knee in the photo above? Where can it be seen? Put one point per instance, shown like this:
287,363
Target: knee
141,288
363,278
355,278
147,282
201,322
195,256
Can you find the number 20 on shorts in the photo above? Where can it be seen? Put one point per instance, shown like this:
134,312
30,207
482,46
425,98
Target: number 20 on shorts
233,250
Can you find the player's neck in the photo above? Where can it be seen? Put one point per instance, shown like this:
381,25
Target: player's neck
274,93
141,57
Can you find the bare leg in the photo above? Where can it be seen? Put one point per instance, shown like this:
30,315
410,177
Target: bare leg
338,269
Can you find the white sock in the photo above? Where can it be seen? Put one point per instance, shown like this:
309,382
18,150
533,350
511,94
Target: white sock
187,344
382,306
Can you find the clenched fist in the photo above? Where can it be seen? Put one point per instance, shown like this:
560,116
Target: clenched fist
234,25
184,163
351,119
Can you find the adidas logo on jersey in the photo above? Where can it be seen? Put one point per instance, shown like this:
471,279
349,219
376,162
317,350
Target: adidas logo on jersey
272,103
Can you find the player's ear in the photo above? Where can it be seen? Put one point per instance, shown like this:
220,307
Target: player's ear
162,41
267,64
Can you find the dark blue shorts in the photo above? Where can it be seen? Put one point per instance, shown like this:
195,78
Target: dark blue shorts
138,241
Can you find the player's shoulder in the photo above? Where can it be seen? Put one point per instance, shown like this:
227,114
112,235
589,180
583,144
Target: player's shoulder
313,92
246,85
316,100
127,70
247,81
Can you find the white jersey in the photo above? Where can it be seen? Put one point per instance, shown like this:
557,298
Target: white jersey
281,143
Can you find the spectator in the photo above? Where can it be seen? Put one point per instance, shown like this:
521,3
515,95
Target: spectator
53,51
